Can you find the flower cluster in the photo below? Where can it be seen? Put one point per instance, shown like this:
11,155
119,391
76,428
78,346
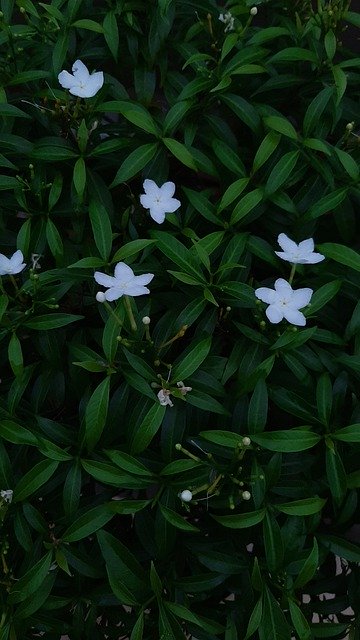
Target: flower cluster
283,300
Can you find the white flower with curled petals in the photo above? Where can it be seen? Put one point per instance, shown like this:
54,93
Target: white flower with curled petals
228,21
285,302
302,253
123,282
159,200
7,495
164,397
13,265
81,83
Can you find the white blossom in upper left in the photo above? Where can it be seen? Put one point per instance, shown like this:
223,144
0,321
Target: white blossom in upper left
13,265
81,83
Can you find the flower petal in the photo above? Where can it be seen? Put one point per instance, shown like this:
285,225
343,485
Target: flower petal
78,91
314,258
300,298
80,71
114,293
16,258
266,295
145,278
171,205
286,244
94,84
157,213
274,313
167,190
284,255
4,265
136,290
294,317
306,246
146,200
66,80
282,287
151,189
104,279
123,272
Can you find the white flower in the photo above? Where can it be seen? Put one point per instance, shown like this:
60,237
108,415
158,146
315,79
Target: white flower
228,20
164,397
186,495
302,253
123,282
183,390
10,266
7,494
81,83
284,302
159,200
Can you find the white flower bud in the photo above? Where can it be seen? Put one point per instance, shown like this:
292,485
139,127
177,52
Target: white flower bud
246,495
253,11
100,296
246,441
146,320
186,495
350,126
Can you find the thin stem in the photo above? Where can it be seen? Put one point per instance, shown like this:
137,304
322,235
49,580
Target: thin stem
14,283
130,314
112,313
292,273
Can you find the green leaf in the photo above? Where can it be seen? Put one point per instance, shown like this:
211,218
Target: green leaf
148,428
175,251
273,623
96,413
51,149
54,240
15,433
176,520
191,359
28,76
34,479
315,110
131,249
15,355
342,254
304,507
299,621
255,619
326,204
111,33
127,462
350,165
330,44
243,110
247,203
232,192
324,395
258,408
134,162
126,576
241,520
328,629
266,149
309,567
91,25
79,177
340,547
175,115
274,548
179,151
87,523
127,507
348,434
9,110
281,172
289,441
51,321
28,584
322,296
336,475
101,228
184,613
281,125
135,113
294,54
223,438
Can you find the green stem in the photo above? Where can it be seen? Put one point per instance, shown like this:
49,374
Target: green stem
14,283
292,273
130,314
112,312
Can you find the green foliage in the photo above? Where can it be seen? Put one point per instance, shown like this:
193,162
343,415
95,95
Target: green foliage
181,466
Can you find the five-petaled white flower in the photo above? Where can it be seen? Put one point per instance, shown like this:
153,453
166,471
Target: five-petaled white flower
228,20
81,83
302,253
284,302
123,282
10,266
159,200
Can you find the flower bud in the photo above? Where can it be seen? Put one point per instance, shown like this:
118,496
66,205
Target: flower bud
246,495
100,296
246,441
253,11
350,126
146,320
186,495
